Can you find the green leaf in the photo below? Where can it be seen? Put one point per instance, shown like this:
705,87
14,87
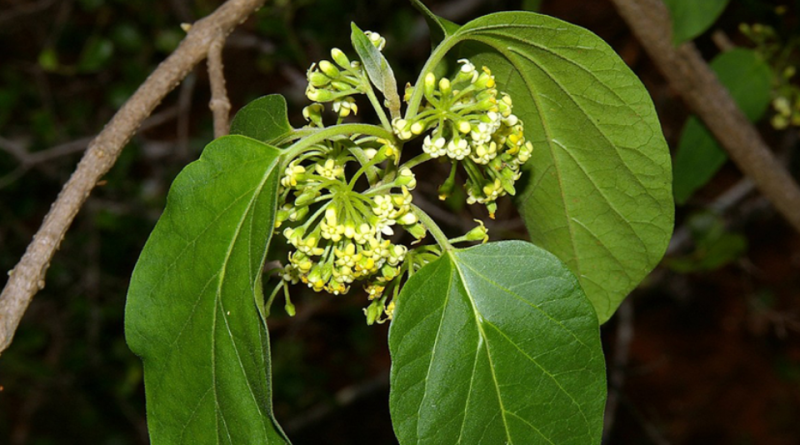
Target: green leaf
715,246
193,308
264,119
748,79
598,187
440,28
378,69
496,344
690,18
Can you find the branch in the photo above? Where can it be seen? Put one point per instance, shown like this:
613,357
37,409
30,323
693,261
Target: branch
220,105
29,274
689,75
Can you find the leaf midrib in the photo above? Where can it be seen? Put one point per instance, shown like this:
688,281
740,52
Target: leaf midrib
218,301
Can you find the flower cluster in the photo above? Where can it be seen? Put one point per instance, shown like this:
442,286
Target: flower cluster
785,93
340,236
337,82
342,197
471,123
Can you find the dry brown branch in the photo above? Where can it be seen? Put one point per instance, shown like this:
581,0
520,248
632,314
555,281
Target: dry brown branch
29,274
690,76
220,105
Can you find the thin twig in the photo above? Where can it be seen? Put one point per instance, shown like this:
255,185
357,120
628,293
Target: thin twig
220,105
28,276
689,75
29,160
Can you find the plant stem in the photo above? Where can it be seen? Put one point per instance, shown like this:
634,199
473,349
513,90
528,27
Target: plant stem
415,161
436,56
376,104
427,221
330,132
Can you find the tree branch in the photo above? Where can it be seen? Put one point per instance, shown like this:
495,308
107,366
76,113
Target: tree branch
28,276
690,76
220,105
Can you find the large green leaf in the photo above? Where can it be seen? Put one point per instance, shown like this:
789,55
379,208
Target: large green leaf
264,119
690,18
598,188
748,79
496,344
193,309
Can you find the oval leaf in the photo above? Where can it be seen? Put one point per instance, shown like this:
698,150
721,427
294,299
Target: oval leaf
193,308
264,119
496,344
748,79
598,192
690,18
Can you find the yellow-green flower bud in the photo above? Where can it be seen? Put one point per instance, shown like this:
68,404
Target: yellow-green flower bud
338,56
417,231
430,84
307,197
373,311
376,39
318,95
445,87
447,187
479,233
329,70
407,178
317,79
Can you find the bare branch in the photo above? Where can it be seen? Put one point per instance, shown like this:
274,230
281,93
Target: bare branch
28,275
690,76
220,105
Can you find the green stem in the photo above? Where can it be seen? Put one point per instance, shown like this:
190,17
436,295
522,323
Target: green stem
427,221
330,132
268,304
415,161
436,56
376,104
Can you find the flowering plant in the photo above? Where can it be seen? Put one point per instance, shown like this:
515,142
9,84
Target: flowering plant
494,343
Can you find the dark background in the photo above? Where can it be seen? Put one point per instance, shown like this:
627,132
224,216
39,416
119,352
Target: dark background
698,357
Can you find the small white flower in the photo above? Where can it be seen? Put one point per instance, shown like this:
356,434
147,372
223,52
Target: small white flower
458,149
435,148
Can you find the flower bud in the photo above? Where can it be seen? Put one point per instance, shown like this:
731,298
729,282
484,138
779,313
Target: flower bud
338,56
307,197
408,219
376,39
430,84
447,187
417,231
318,95
373,311
480,233
407,179
444,86
318,79
329,70
408,92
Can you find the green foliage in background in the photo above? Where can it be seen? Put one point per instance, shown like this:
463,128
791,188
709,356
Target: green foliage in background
698,156
690,18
